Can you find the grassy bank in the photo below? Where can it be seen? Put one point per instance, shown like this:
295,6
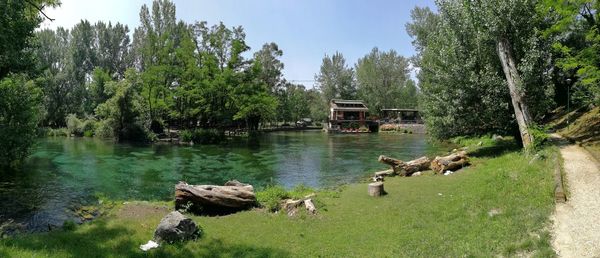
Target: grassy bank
580,125
498,206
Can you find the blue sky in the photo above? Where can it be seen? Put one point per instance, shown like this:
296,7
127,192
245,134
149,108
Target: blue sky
305,30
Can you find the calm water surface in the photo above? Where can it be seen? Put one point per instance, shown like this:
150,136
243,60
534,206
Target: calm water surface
64,173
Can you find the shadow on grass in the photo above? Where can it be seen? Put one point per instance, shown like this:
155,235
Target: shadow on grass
99,240
499,148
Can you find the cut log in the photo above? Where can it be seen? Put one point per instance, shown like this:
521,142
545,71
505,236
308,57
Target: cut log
310,206
452,162
213,199
291,206
376,189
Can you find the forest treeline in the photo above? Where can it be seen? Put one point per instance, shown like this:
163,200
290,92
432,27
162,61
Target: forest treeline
555,48
496,66
194,76
106,81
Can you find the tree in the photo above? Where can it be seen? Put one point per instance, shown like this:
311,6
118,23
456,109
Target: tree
19,115
19,98
124,110
576,43
271,67
112,48
335,78
462,81
18,19
381,79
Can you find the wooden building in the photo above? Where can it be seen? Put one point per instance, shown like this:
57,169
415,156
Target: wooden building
348,116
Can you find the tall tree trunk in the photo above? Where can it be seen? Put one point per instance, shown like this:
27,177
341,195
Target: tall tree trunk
515,86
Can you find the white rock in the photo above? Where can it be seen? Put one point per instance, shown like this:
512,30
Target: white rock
150,245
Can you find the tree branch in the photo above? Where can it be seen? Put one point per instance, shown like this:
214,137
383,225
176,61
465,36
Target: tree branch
40,9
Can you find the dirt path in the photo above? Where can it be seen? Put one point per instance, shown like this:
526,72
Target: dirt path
576,229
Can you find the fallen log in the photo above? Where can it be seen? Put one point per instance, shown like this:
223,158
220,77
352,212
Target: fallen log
452,162
420,164
213,199
392,162
402,168
384,173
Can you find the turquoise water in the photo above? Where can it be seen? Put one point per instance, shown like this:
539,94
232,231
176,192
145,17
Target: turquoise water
64,173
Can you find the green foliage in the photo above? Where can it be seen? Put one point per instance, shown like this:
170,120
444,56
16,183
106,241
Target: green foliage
78,127
271,196
202,136
18,20
336,79
57,132
73,125
105,129
124,110
575,35
19,114
383,81
539,135
463,87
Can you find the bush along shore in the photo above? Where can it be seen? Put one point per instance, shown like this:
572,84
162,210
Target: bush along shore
498,206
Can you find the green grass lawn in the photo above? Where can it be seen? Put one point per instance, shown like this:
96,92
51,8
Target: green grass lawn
500,206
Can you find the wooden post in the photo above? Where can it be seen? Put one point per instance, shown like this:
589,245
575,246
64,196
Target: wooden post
376,189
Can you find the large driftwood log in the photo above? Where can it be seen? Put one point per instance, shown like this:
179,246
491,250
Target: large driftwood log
376,189
420,164
213,199
392,162
451,162
406,168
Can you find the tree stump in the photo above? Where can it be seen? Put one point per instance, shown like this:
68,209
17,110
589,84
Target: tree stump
376,189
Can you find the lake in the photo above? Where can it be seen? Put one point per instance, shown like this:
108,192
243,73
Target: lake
64,173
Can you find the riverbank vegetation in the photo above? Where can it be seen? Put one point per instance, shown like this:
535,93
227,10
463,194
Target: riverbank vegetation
499,206
465,90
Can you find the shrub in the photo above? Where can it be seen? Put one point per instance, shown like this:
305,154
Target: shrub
270,197
186,136
58,132
540,137
87,127
88,133
73,125
202,136
104,129
19,115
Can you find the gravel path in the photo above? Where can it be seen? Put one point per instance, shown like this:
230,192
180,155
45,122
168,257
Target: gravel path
576,229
